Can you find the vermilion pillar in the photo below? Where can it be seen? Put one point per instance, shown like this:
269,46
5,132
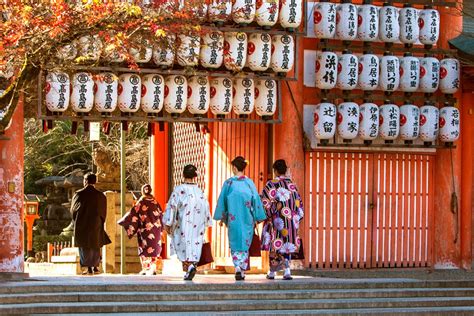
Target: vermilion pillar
11,195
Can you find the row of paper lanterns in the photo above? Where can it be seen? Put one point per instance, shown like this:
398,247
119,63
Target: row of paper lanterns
389,122
153,92
388,73
368,22
234,50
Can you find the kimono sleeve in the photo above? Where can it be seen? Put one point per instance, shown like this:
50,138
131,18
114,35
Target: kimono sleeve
299,203
257,206
75,206
169,218
208,222
130,220
267,199
221,211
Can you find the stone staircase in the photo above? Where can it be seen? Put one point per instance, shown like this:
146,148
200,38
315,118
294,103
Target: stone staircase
220,295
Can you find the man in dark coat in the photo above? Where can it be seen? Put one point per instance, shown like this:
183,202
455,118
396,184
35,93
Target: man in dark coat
89,209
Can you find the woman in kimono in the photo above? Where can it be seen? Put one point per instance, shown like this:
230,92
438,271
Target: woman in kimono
144,219
284,209
186,218
239,208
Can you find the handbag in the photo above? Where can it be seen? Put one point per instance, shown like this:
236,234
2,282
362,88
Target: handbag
300,254
206,254
255,246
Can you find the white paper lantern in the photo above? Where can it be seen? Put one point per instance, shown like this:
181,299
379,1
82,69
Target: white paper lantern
449,124
90,47
283,53
267,12
153,92
243,11
347,71
409,122
409,73
346,21
368,72
141,50
326,74
82,94
324,18
368,121
243,96
265,97
164,52
389,28
129,93
221,96
291,13
57,91
198,95
389,72
324,121
7,70
176,93
212,50
429,123
67,52
429,74
348,120
199,11
367,22
188,50
219,11
409,29
106,92
429,26
449,75
259,51
389,117
235,50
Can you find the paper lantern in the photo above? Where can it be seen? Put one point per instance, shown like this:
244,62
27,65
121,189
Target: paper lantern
221,96
429,123
449,124
259,51
265,97
368,71
346,21
347,71
235,50
449,75
243,11
164,52
153,90
324,121
243,96
409,73
267,12
409,122
129,93
212,50
429,25
348,120
82,94
324,18
198,95
176,94
326,74
219,11
283,53
67,52
57,91
368,121
409,29
389,28
106,92
188,50
389,117
429,74
389,72
199,11
291,13
367,22
141,49
6,70
90,47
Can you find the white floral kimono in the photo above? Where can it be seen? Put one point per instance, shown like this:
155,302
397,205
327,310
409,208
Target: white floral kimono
187,213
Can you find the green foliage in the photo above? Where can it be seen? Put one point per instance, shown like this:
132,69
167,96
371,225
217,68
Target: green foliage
40,242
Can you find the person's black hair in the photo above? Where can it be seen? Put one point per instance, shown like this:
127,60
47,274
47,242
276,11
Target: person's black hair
190,172
146,189
91,178
280,166
240,163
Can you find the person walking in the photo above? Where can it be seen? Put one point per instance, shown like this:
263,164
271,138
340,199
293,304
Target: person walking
145,220
239,207
89,210
186,218
284,208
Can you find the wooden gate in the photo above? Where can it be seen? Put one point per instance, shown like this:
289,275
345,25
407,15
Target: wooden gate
368,210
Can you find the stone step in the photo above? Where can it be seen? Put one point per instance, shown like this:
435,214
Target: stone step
233,305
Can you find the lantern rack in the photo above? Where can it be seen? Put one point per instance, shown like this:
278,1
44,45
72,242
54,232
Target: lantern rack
379,146
434,3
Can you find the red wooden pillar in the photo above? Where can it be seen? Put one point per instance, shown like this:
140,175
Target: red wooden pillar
11,195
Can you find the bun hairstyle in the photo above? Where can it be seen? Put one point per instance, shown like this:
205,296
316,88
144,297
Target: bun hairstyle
146,189
240,163
280,166
190,172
